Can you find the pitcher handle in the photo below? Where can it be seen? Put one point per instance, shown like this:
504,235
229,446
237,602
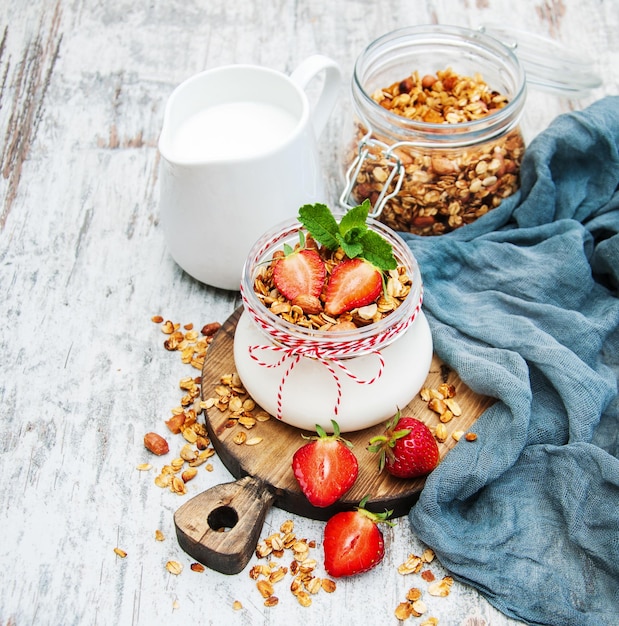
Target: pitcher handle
323,107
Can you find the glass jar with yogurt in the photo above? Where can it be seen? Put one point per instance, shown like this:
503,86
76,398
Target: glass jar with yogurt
306,376
435,141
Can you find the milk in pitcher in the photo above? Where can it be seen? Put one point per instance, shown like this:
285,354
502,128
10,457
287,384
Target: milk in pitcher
233,130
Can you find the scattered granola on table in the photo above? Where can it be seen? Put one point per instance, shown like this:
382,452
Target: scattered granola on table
196,449
414,605
305,582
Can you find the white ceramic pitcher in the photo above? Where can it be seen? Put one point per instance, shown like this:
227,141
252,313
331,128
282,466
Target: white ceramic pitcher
239,155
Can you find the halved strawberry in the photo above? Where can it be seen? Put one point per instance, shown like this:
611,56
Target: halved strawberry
326,468
352,541
301,272
353,283
407,449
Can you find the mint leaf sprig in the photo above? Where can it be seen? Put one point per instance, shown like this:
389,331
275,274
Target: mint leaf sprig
351,234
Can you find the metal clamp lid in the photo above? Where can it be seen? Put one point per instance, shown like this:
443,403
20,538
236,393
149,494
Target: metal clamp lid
393,162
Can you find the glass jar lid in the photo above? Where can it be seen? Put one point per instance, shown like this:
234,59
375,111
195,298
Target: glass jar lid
548,65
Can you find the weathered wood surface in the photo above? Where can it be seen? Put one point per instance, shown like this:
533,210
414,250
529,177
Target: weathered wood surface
83,267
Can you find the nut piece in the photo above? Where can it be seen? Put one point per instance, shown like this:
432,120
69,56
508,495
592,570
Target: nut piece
175,423
189,474
453,406
412,565
440,432
447,390
156,444
310,305
428,555
414,594
240,437
174,567
403,611
265,588
446,417
438,406
208,330
441,588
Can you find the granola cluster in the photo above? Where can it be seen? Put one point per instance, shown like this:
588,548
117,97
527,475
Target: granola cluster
398,286
441,189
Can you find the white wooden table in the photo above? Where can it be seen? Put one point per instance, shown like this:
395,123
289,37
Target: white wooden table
83,268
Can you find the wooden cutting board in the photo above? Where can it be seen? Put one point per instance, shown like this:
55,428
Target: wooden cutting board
221,526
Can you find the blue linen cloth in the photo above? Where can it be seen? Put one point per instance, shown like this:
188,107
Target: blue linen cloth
524,305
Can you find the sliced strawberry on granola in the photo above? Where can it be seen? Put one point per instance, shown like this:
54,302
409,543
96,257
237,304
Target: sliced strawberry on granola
353,283
299,273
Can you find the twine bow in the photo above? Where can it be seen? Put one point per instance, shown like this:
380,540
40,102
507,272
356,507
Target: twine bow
296,353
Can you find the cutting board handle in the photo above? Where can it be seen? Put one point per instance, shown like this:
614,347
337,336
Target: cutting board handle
221,526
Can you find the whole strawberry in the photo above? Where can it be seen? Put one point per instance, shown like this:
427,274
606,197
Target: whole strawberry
407,448
325,468
352,542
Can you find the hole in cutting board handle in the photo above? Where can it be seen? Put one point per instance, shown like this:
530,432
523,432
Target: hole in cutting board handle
223,518
240,507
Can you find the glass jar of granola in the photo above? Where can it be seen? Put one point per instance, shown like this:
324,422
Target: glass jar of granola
304,372
436,141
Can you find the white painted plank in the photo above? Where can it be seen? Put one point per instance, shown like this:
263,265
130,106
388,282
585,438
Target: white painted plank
83,267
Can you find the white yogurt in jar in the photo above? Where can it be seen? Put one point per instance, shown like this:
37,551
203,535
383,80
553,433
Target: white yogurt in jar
309,391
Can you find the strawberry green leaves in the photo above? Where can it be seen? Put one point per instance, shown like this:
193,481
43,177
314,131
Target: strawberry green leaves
351,234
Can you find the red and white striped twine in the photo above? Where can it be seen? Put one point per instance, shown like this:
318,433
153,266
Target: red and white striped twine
293,348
